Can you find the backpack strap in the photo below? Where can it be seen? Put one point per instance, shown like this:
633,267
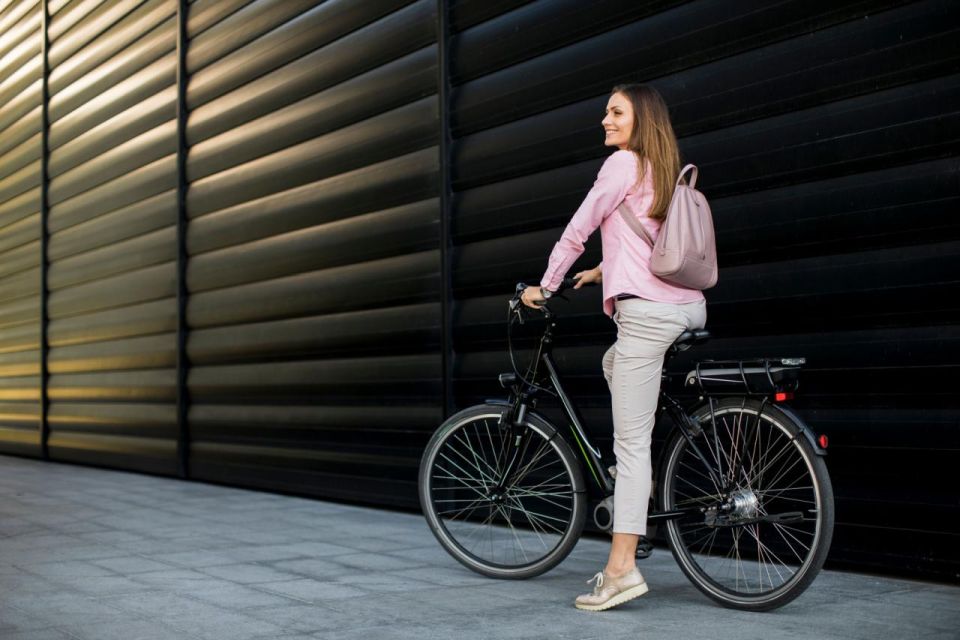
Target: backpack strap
635,224
693,178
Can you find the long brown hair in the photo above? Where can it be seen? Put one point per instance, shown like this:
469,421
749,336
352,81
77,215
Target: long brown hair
653,139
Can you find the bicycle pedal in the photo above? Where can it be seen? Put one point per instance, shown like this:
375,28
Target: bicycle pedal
644,548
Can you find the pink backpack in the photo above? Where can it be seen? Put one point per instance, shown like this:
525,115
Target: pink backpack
685,253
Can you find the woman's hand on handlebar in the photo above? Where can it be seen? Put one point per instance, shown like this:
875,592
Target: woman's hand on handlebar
531,297
590,276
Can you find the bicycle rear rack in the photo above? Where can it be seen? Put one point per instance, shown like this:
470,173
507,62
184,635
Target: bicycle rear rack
757,377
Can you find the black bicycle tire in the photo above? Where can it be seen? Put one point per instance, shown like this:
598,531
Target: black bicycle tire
792,588
571,462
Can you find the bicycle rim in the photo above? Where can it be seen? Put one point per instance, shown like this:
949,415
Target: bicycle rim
758,538
518,528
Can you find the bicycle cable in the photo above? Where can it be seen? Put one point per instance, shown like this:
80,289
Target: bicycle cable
513,362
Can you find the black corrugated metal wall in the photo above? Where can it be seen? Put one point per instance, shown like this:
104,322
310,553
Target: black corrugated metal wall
341,158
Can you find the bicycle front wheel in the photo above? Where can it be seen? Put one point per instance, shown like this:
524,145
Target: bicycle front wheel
518,526
759,502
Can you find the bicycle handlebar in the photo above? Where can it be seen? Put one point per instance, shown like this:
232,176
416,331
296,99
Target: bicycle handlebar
517,306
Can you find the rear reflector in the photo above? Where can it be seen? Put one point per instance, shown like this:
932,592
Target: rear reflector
823,441
780,396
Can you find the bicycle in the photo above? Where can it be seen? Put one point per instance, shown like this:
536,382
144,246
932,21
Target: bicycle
742,487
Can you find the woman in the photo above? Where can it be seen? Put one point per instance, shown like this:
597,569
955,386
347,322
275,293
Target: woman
649,312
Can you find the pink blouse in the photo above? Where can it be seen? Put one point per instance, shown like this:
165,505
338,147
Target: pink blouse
626,257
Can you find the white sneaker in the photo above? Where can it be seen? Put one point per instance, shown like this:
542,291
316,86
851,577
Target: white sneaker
610,592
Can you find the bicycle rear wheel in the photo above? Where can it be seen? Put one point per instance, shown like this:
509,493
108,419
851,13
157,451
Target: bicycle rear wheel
763,516
515,527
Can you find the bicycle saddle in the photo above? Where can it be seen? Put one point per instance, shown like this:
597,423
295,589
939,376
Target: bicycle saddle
689,338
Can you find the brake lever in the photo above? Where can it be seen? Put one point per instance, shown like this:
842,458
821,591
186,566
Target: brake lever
515,309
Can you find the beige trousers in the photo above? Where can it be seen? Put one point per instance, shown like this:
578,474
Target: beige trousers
633,366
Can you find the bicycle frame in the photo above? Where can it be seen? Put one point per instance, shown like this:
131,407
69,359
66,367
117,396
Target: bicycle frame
523,397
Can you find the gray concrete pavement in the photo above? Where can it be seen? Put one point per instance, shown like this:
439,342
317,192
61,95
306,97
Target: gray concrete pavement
94,554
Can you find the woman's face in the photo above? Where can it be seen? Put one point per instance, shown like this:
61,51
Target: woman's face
618,123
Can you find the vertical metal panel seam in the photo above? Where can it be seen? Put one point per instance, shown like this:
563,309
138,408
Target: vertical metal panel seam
44,227
446,196
183,432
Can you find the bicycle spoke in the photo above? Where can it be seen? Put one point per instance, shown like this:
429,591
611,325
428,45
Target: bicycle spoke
472,507
476,465
477,462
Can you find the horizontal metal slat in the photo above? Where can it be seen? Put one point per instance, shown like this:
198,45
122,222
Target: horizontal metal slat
25,131
400,131
22,389
135,320
20,441
137,186
17,21
21,311
312,30
389,76
831,216
149,48
376,186
383,330
153,385
20,181
373,236
905,40
149,455
121,224
120,160
144,285
20,207
402,280
701,32
244,25
854,135
17,286
113,417
210,420
537,28
19,53
101,35
20,414
204,14
128,255
468,13
23,363
309,118
64,14
21,77
20,259
280,378
104,139
19,105
21,338
140,86
150,352
20,233
896,268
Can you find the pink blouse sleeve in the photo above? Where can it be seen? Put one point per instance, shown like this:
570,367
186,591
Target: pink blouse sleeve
616,176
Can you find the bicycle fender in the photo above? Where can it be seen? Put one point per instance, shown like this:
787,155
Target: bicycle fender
804,429
546,425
